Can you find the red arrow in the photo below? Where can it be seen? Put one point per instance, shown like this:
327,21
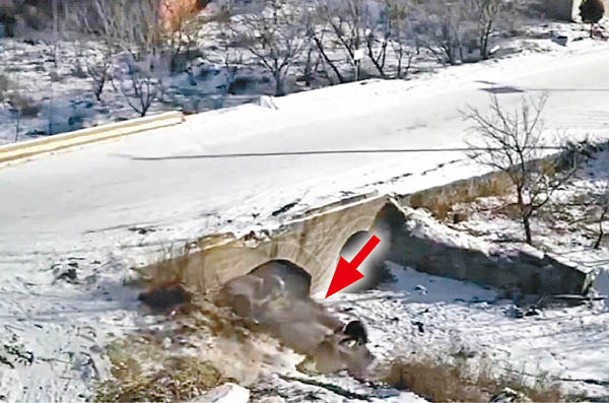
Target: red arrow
346,272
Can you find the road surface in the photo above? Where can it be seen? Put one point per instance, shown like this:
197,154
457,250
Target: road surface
97,197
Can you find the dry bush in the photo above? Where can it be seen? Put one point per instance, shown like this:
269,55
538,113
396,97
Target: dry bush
155,364
182,378
443,382
143,368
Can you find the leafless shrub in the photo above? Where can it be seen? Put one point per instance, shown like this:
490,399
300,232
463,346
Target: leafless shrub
228,54
25,106
179,379
5,85
134,30
12,99
137,83
275,37
16,101
98,70
223,16
512,142
456,382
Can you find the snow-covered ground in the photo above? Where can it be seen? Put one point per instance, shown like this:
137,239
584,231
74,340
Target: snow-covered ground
88,210
567,344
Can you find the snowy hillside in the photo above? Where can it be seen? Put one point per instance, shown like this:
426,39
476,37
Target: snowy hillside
48,87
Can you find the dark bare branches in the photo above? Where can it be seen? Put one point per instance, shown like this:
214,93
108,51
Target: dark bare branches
275,37
347,21
513,143
138,85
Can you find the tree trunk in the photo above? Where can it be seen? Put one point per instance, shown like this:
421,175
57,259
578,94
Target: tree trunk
527,229
525,215
323,54
99,88
400,65
17,125
485,38
601,233
279,88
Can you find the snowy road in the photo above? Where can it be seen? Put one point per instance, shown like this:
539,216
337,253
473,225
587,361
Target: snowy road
89,198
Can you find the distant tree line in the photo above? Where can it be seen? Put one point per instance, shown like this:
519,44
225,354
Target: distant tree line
317,42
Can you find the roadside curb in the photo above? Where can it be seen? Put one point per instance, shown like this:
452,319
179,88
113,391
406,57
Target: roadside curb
25,149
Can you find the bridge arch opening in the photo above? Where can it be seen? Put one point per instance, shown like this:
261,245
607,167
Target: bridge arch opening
296,280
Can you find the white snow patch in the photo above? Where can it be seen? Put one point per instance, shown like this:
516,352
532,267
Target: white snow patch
570,345
227,393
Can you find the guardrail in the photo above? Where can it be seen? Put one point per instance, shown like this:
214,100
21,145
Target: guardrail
25,149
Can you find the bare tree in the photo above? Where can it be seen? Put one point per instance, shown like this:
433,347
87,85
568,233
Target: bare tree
377,36
138,85
275,37
317,31
443,29
460,26
96,66
483,15
10,90
513,143
403,39
86,22
347,22
132,26
133,37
